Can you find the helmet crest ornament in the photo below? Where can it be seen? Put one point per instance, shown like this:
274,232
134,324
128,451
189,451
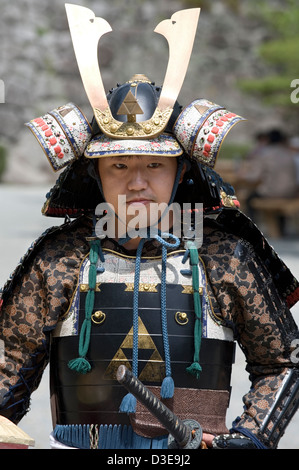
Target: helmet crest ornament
86,32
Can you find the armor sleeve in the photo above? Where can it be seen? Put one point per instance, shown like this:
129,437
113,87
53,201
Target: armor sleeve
266,332
32,302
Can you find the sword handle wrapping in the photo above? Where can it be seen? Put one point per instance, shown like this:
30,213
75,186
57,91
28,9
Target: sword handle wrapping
181,432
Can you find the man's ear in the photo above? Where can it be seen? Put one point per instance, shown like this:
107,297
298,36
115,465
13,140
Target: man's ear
183,173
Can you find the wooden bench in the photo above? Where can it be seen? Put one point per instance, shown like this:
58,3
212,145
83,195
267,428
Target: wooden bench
271,208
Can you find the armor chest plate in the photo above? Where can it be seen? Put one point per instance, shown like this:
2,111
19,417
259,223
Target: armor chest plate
111,339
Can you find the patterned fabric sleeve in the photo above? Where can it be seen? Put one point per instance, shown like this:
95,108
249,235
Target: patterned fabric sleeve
267,334
30,310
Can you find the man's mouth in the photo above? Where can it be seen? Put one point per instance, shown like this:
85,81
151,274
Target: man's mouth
138,201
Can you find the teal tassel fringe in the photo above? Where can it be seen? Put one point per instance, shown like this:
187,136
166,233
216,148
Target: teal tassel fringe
195,369
80,365
128,404
167,388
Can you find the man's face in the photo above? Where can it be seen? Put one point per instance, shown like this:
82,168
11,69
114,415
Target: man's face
142,182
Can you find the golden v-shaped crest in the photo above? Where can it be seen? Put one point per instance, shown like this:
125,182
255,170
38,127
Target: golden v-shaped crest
86,31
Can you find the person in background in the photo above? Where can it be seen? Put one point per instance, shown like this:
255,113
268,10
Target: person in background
294,146
272,171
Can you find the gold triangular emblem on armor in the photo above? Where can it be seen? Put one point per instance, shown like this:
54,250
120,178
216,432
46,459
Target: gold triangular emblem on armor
130,106
154,369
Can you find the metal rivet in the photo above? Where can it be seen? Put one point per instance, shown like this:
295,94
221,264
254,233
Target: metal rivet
130,131
147,128
181,318
98,317
113,128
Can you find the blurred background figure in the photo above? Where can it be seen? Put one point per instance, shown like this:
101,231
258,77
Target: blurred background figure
294,146
271,172
261,142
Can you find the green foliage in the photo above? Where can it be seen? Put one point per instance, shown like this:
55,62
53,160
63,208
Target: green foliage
273,90
280,20
279,52
42,31
282,54
234,151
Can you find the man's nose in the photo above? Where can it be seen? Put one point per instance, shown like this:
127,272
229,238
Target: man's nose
137,181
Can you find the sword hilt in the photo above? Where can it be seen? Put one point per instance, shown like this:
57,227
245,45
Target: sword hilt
184,434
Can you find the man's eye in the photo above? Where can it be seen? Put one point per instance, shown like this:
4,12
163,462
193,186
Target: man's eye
120,166
154,165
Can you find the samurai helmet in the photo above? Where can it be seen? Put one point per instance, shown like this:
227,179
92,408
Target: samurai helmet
136,117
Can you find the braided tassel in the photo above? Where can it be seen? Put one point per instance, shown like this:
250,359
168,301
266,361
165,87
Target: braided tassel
129,402
81,364
195,368
167,387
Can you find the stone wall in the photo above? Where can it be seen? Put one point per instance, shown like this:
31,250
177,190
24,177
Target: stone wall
39,70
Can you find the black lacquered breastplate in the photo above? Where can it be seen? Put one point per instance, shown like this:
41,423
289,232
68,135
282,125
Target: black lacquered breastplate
95,397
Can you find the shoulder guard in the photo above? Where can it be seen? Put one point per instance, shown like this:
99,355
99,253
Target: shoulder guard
25,260
239,224
63,134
